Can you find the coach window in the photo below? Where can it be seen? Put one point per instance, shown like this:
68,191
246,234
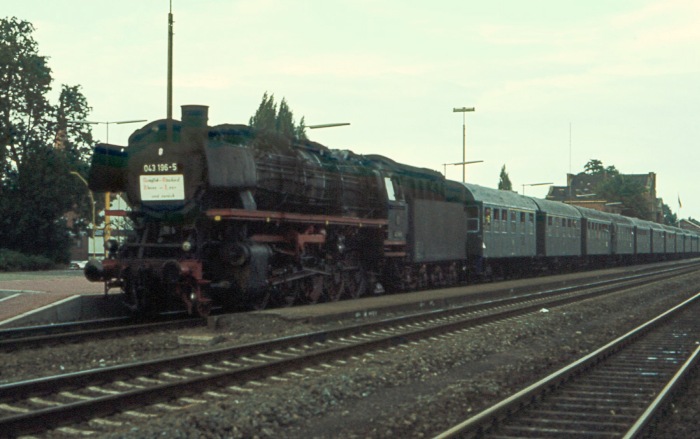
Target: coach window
472,219
531,221
389,189
487,217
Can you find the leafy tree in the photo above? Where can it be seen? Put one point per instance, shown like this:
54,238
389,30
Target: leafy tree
670,218
504,183
38,148
284,124
265,118
268,119
24,81
612,171
593,167
628,191
300,130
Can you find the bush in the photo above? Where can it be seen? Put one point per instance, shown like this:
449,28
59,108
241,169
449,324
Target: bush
15,261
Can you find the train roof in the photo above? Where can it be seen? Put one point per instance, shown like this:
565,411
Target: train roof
557,208
496,197
595,215
640,222
621,219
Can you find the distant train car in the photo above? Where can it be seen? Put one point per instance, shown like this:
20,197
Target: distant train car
558,233
596,236
623,239
506,239
669,240
658,239
642,239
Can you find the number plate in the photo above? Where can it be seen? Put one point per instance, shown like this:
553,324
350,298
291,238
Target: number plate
150,168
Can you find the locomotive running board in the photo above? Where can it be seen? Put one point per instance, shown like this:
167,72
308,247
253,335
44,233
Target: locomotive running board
269,216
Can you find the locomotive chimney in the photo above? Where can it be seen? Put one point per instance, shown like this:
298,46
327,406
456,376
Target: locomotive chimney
194,125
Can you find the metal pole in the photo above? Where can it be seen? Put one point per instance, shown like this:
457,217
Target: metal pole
464,147
108,232
463,110
92,201
169,123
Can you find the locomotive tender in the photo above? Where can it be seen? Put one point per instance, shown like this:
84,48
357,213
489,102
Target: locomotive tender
231,217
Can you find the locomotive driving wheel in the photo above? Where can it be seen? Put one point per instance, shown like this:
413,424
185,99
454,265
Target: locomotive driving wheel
311,289
334,285
196,301
355,282
286,294
203,308
260,300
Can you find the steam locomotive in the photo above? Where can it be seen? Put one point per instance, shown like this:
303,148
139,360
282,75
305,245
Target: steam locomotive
227,216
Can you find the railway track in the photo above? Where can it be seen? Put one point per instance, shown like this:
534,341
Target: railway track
616,391
144,388
34,336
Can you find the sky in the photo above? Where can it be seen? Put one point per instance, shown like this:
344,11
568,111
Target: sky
554,83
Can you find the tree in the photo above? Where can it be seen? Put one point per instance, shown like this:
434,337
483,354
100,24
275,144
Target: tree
24,81
284,123
504,183
670,218
626,190
268,119
593,167
264,119
38,148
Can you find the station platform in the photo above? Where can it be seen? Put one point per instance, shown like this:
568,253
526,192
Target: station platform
382,306
26,293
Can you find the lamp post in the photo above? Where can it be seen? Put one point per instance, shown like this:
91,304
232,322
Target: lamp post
92,201
107,234
106,123
444,165
535,184
464,111
327,125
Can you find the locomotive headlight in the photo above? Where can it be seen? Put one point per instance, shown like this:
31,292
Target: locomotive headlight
186,246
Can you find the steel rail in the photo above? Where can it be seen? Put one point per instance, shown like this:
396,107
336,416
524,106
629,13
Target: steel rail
664,397
21,338
483,422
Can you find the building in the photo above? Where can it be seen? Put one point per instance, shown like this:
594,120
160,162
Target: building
580,190
689,224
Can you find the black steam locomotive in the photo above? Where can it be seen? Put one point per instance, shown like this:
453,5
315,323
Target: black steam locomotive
231,217
227,216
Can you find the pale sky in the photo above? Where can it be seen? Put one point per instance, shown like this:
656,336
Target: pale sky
555,83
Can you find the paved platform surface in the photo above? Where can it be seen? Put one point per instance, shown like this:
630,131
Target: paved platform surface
28,291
